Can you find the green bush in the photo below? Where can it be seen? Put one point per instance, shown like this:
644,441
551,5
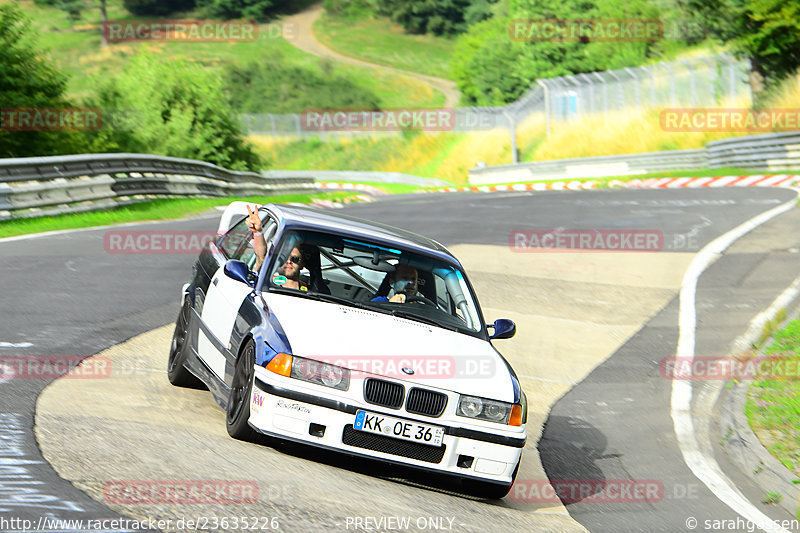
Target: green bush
157,8
272,86
174,108
28,81
491,68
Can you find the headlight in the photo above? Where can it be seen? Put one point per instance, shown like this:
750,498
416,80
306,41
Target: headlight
483,409
320,373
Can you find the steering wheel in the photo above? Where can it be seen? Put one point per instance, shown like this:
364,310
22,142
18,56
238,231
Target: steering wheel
422,299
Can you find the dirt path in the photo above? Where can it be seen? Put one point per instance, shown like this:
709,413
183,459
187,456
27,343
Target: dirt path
298,31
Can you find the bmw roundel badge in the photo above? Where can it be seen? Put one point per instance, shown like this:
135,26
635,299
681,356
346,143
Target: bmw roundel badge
409,371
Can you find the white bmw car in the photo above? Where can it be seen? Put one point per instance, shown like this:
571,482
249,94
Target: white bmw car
352,336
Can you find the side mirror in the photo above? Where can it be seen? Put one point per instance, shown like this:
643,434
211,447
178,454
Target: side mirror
237,270
503,329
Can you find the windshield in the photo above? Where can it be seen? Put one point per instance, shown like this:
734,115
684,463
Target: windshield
384,279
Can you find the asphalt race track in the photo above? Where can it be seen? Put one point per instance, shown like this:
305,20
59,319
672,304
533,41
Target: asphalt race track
592,329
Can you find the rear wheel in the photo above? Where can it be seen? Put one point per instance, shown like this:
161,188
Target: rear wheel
178,374
238,411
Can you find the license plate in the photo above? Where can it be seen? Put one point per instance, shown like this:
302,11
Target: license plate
398,428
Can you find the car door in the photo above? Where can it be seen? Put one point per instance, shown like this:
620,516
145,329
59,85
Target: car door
223,300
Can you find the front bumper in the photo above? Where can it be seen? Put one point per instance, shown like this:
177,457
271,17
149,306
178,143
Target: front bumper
301,414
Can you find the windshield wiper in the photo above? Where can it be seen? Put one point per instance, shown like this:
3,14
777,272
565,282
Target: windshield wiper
413,316
345,301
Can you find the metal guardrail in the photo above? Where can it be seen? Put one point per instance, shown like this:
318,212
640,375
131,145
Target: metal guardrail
41,186
357,175
771,152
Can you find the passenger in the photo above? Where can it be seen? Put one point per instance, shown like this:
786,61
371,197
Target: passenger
404,282
287,274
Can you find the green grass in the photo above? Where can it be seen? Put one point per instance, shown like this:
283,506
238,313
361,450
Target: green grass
381,42
773,405
162,209
77,51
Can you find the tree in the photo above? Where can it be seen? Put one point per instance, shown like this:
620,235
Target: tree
768,31
493,68
157,8
272,86
28,81
174,108
440,17
233,9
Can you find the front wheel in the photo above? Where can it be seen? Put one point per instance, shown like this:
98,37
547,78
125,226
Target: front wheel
238,411
178,374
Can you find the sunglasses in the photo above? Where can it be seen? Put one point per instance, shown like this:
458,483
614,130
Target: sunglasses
294,259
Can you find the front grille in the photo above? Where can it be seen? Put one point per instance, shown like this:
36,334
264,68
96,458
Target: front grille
385,393
426,402
403,448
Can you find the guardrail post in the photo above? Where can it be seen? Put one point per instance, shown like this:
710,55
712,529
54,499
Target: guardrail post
620,90
672,95
5,192
512,126
605,91
546,105
635,85
693,98
589,82
731,76
712,78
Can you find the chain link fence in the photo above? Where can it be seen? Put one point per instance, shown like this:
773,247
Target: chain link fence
701,81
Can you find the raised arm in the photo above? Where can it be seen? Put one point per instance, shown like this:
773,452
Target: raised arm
259,244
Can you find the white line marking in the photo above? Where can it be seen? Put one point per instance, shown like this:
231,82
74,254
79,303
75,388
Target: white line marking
547,380
703,466
97,228
16,344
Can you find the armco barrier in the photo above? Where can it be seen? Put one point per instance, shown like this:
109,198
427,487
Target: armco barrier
41,186
771,152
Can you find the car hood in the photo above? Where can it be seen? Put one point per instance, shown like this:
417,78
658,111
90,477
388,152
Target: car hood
383,344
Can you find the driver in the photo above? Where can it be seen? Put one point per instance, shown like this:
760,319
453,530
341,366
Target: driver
404,282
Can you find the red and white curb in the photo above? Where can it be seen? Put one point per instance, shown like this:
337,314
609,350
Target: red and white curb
757,180
350,187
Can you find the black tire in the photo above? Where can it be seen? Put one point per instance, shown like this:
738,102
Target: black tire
238,411
487,490
178,374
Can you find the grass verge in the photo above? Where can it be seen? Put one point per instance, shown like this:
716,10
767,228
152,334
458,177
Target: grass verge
76,50
378,41
773,405
161,209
